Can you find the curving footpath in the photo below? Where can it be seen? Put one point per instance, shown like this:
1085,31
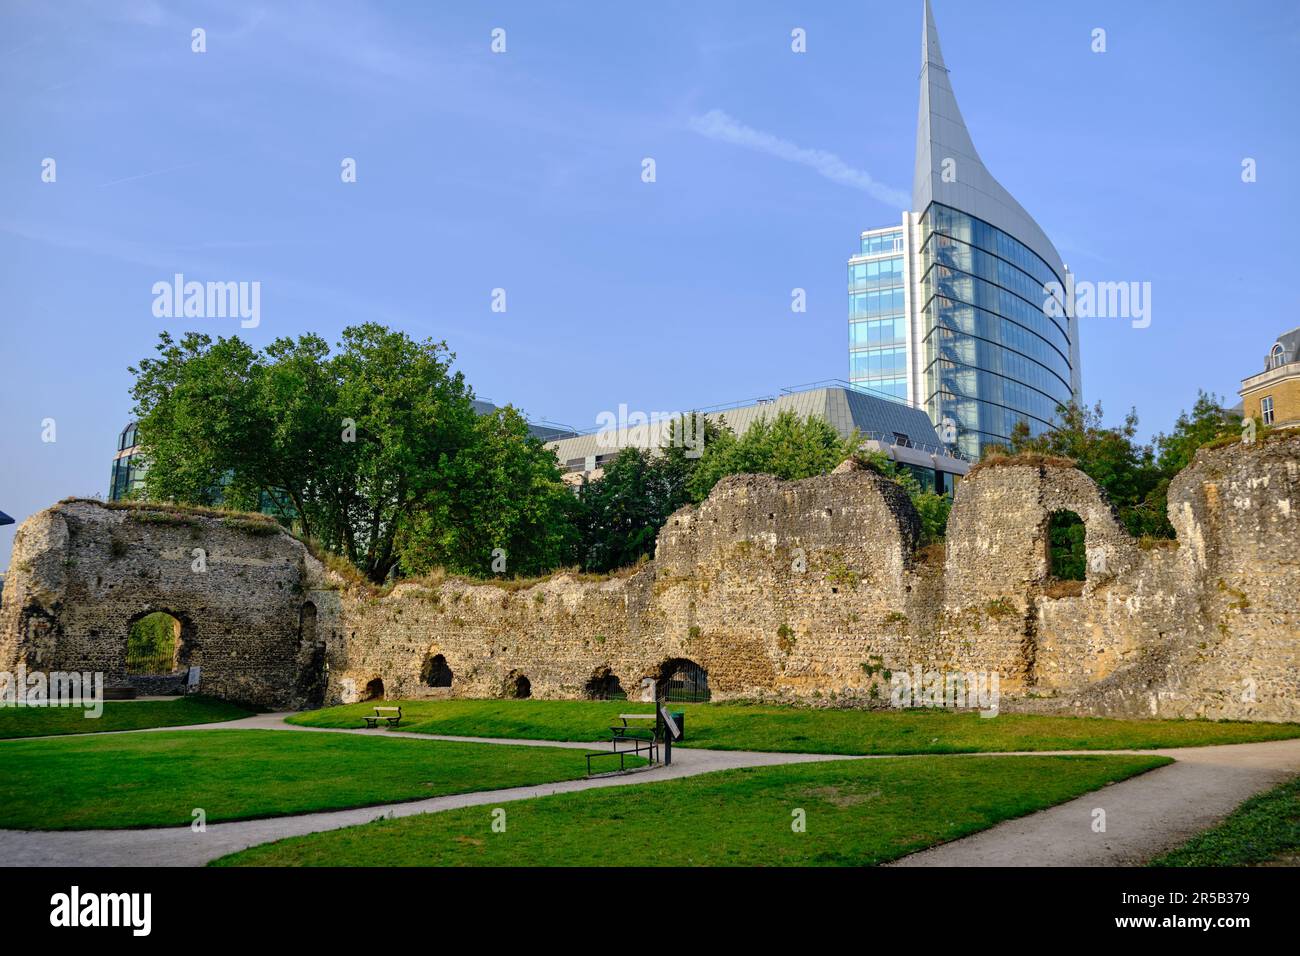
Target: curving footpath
1144,816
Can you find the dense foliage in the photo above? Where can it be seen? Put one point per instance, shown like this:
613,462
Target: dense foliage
1134,476
375,452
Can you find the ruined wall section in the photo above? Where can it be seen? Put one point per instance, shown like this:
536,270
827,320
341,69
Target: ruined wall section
779,590
811,591
998,583
82,574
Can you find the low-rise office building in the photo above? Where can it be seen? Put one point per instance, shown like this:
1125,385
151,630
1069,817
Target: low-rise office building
895,427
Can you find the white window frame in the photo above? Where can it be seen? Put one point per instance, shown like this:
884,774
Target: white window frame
1266,409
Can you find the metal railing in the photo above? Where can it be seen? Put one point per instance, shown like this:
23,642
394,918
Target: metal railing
640,745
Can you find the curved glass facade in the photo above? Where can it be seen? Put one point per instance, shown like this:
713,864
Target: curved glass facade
949,309
991,355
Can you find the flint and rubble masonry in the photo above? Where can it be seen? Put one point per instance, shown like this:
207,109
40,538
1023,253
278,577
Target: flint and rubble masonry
810,591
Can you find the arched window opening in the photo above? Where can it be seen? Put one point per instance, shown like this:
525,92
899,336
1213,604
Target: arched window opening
605,685
153,645
1067,558
518,687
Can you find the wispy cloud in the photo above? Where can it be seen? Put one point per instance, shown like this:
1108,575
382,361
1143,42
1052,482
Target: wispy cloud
717,125
156,172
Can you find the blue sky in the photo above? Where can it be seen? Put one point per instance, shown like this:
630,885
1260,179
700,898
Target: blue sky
522,171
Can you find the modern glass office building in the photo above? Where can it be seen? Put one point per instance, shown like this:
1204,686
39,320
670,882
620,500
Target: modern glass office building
948,308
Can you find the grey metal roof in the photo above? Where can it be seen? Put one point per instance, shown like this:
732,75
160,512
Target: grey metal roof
1290,342
843,407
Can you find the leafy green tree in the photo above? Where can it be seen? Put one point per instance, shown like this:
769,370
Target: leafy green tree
506,500
1208,421
623,509
376,447
785,446
1124,469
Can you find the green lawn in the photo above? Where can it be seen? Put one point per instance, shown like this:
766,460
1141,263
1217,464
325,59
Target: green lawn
157,779
1264,829
857,812
788,729
117,715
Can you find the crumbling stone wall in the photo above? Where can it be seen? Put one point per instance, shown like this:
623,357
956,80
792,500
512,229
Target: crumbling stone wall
810,591
82,573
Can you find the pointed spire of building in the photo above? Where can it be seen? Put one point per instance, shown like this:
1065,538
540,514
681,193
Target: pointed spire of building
948,167
930,52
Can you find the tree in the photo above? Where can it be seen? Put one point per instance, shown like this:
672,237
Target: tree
1134,476
1124,469
623,509
1208,421
376,447
786,446
506,501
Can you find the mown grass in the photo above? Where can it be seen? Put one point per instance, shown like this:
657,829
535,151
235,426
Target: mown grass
856,813
795,730
117,715
158,779
1264,829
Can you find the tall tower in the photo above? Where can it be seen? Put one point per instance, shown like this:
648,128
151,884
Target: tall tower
950,308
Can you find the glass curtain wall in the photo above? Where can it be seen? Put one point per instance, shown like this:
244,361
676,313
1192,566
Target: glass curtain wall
993,355
877,320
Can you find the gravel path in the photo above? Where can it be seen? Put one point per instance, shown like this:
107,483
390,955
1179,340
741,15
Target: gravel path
1144,816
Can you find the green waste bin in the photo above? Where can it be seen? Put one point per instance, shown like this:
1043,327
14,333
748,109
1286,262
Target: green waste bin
679,718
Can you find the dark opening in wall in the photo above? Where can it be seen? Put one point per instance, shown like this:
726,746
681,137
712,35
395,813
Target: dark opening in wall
435,672
682,679
605,685
517,686
374,690
1067,559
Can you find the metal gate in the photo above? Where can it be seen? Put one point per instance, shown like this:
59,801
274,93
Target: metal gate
686,681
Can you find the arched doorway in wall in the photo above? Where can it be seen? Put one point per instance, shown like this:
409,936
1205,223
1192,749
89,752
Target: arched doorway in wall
311,656
682,679
153,645
374,690
604,685
434,672
517,686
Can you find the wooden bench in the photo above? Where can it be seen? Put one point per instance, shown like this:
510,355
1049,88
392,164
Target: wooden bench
621,731
391,714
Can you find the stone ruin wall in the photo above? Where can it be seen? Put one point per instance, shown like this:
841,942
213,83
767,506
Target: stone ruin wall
81,574
808,591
